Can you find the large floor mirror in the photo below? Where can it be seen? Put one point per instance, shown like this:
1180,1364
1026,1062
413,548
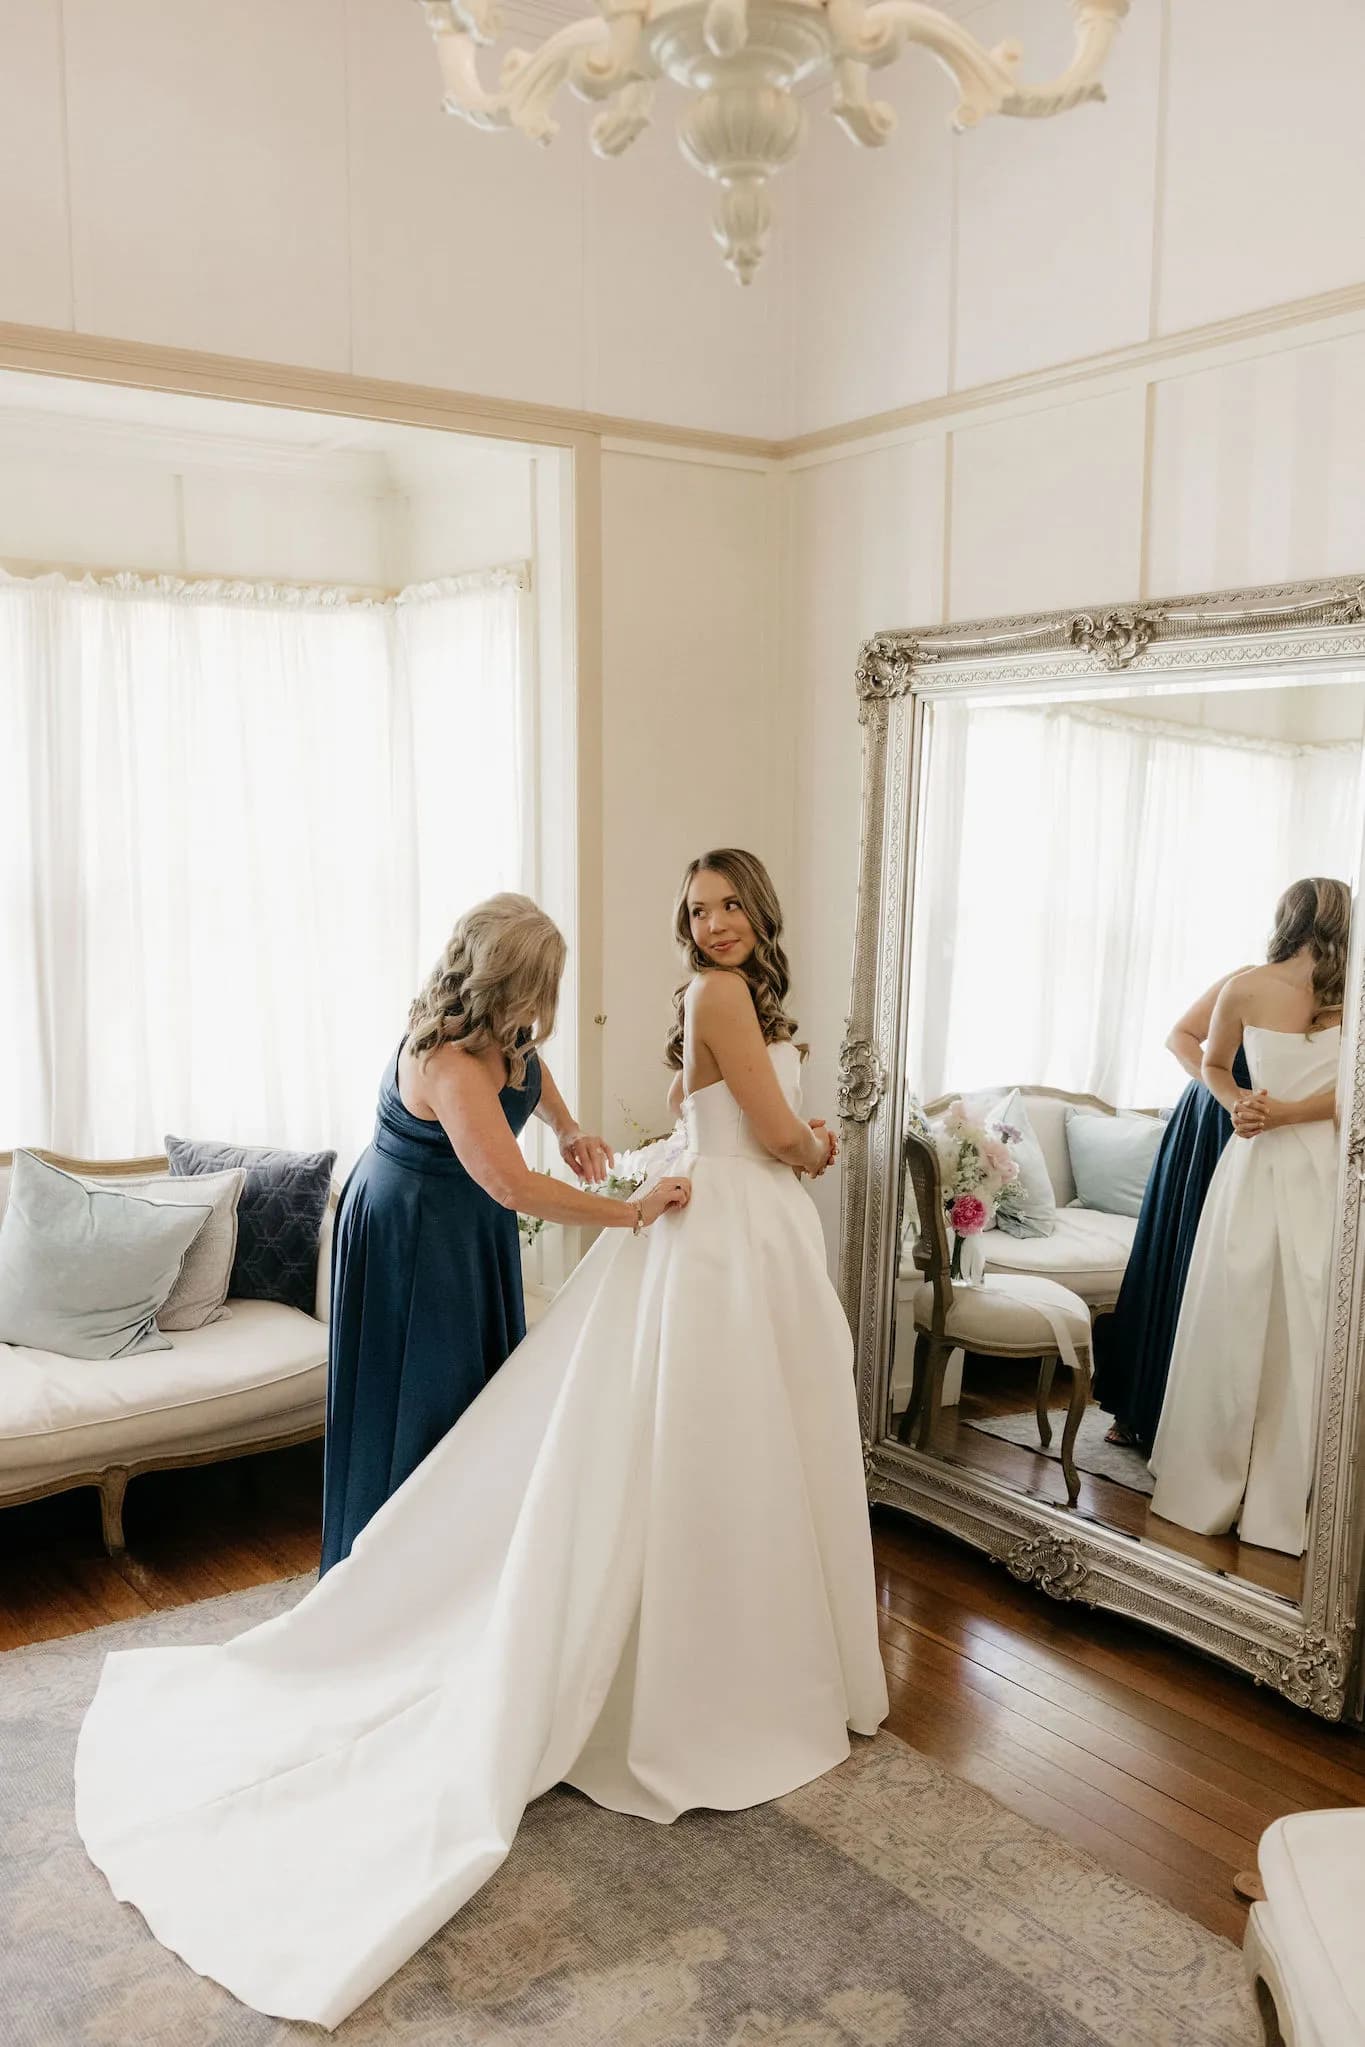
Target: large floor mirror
1102,1095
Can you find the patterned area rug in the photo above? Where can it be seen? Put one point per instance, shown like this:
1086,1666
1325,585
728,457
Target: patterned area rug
887,1905
1117,1461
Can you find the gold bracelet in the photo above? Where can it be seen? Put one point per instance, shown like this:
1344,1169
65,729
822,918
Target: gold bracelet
639,1218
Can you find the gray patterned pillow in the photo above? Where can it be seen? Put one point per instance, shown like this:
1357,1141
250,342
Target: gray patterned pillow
279,1217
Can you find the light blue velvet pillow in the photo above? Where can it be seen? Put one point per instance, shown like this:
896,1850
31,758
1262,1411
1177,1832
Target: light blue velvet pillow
83,1270
1112,1159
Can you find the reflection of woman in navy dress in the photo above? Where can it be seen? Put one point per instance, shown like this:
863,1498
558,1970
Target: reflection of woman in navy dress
1133,1345
426,1263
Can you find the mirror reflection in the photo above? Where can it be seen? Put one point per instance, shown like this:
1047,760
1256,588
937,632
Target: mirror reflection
1129,951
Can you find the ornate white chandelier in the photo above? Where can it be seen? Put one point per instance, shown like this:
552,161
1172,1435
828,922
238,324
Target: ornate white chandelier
746,58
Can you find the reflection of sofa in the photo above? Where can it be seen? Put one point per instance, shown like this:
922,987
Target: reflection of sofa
1088,1251
255,1381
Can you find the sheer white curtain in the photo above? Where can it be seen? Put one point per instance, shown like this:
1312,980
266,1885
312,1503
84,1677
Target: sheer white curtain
235,824
1086,875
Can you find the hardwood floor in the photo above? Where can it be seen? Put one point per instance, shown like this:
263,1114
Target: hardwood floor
999,1386
191,1535
1162,1766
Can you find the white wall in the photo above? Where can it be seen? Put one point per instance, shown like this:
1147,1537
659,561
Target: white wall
279,181
1226,171
1231,467
90,502
697,735
99,478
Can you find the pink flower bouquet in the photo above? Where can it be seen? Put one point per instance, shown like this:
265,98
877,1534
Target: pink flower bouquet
975,1167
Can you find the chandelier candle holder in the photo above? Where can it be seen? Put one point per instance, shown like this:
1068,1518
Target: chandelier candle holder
746,60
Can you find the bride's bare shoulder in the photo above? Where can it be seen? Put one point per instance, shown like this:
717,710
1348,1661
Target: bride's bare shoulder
718,992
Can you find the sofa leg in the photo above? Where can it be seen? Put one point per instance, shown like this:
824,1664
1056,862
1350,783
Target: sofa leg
113,1486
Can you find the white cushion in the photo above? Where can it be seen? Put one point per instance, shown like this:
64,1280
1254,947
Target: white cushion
1087,1252
198,1295
1047,1118
987,1316
218,1384
322,1292
1313,1868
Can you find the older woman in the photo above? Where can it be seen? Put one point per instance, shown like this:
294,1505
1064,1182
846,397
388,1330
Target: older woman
426,1270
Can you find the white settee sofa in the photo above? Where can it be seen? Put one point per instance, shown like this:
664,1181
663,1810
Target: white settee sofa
1302,1947
1089,1250
257,1380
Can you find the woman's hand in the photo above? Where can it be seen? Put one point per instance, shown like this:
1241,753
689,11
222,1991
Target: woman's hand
1253,1114
830,1146
592,1158
668,1194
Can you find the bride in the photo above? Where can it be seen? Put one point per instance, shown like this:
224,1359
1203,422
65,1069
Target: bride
1234,1445
639,1564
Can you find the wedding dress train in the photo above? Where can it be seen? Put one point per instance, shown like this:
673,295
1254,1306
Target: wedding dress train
1235,1442
639,1564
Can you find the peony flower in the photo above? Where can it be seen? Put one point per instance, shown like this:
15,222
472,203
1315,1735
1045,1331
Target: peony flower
968,1215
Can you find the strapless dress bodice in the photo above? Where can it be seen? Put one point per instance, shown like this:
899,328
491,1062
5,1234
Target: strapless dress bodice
716,1126
1290,1065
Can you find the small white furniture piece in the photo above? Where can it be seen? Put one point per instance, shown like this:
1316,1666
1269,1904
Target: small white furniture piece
1304,1951
255,1381
1000,1318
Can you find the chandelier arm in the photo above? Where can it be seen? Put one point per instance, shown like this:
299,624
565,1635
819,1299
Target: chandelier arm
594,57
868,121
617,126
876,34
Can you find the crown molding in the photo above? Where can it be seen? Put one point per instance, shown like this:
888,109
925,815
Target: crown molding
149,366
1342,309
50,351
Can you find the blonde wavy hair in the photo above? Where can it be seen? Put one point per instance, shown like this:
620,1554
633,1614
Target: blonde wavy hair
1315,913
496,983
765,970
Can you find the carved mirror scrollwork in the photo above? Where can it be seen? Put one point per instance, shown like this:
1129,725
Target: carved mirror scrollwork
1071,823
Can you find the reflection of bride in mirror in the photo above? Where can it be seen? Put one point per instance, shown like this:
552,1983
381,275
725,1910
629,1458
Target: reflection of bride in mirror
1235,1441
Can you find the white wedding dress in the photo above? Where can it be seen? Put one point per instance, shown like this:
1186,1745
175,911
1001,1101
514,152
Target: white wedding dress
640,1564
1234,1445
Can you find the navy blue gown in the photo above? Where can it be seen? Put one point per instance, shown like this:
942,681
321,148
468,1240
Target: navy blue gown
1133,1345
427,1302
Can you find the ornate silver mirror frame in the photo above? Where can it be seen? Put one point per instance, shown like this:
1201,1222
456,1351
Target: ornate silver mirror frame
1305,1651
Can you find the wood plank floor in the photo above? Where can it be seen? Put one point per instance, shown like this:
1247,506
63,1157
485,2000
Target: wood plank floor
1162,1766
996,1386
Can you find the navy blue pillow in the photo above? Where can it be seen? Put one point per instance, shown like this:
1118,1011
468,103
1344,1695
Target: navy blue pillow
279,1217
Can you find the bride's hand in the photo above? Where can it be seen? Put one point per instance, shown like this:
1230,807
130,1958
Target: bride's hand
831,1144
592,1158
668,1194
1251,1114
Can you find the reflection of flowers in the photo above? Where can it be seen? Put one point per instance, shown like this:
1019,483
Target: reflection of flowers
975,1168
969,1215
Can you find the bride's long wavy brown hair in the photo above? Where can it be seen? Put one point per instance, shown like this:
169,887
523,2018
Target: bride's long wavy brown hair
765,970
496,983
1315,913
